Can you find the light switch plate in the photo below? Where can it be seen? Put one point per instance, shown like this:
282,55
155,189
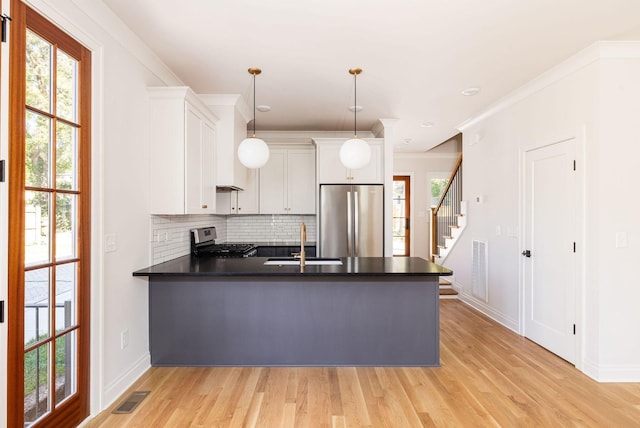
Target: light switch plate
110,242
621,240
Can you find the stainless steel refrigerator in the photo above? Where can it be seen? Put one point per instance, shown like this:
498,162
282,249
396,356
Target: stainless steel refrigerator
351,222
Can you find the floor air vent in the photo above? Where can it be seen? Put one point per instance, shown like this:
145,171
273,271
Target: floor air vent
131,402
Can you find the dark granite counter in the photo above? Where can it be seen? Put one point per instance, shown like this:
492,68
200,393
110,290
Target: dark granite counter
209,267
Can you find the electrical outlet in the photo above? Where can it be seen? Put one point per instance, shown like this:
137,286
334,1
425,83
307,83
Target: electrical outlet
124,338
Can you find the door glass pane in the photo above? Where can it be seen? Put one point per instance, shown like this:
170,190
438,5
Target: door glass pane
65,366
398,245
66,292
398,190
36,384
38,89
37,150
67,86
398,207
65,226
398,226
36,227
37,296
66,143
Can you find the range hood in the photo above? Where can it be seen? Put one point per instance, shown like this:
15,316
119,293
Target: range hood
228,188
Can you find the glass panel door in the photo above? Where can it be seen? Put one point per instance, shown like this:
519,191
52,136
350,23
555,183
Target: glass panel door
49,216
51,262
401,217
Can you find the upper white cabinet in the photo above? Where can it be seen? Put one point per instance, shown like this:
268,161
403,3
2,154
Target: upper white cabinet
182,145
288,182
232,113
331,171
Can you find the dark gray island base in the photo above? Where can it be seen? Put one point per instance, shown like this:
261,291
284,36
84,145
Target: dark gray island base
239,312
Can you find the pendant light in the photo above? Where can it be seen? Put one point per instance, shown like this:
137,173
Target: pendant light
253,152
355,153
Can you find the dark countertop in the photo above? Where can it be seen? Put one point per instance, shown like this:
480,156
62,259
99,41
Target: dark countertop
273,243
254,267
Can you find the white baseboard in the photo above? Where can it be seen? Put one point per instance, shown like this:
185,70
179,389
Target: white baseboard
611,373
487,310
116,388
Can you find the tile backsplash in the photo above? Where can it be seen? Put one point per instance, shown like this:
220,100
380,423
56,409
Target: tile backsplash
269,228
169,235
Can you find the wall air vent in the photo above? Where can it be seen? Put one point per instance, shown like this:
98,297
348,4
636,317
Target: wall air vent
479,272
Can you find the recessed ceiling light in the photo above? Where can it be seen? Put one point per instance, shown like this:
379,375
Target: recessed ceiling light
355,108
407,140
470,91
427,125
263,108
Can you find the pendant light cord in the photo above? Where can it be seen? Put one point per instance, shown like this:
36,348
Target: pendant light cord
254,105
355,106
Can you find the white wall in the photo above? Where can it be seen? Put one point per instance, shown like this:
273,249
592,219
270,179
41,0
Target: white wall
593,97
420,166
614,208
122,69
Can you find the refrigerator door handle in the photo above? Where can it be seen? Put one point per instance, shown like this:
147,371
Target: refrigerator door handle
356,227
349,225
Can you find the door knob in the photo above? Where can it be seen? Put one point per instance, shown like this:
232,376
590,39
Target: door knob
526,253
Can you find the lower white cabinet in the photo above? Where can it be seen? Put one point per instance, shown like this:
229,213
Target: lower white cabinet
240,201
183,137
287,182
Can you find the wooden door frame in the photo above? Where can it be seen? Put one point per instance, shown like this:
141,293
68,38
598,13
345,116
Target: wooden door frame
76,408
409,212
4,230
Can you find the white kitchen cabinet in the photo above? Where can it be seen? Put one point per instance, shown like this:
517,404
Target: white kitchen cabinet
231,111
240,201
331,170
182,158
288,182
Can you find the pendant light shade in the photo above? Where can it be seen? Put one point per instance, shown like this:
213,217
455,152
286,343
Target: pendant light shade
253,152
355,153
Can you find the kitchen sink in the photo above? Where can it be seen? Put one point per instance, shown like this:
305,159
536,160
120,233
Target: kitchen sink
280,261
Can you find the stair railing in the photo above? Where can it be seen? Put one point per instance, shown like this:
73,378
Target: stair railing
444,216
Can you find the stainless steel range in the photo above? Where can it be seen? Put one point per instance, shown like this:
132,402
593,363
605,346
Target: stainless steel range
203,244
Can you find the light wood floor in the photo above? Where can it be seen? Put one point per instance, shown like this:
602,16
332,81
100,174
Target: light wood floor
489,377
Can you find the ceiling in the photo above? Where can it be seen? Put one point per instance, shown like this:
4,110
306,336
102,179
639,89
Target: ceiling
417,55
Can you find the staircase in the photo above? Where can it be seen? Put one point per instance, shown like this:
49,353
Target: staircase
447,222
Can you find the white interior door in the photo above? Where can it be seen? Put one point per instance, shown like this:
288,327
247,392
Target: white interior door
549,254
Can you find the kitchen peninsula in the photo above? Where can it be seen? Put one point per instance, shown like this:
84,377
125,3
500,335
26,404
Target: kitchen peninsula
364,311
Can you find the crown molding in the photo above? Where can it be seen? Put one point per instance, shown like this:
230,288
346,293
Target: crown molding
228,100
584,58
113,26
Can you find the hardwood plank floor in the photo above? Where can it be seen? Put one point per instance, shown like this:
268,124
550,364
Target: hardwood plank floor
489,376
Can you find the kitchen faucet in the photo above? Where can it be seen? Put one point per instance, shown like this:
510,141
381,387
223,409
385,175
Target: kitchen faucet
303,239
302,255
